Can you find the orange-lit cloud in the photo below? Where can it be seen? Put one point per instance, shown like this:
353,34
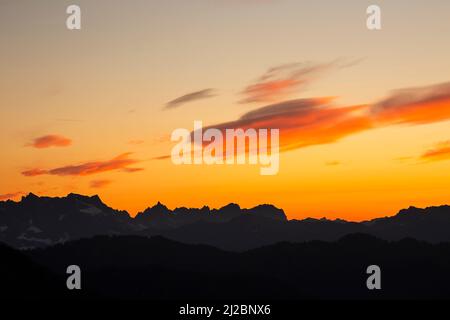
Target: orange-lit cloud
50,141
98,184
278,82
440,152
414,106
131,170
121,162
307,122
9,196
162,157
193,96
304,122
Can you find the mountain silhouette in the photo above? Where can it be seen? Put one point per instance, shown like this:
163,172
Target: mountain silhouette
44,221
134,267
24,278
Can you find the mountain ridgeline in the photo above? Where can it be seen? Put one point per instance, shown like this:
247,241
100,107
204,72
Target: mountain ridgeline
44,221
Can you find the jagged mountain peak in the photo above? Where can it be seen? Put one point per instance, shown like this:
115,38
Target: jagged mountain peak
159,210
95,199
30,196
160,206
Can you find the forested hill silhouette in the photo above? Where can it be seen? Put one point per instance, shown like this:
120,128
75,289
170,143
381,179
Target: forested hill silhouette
43,221
133,267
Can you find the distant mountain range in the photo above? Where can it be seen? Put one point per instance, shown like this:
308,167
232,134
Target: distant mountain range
43,221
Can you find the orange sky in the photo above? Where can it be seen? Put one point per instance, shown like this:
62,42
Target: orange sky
364,116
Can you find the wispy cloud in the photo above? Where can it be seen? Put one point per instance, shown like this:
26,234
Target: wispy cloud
121,162
34,172
51,140
439,152
131,170
306,122
193,96
98,184
414,105
136,142
12,195
162,157
280,81
316,121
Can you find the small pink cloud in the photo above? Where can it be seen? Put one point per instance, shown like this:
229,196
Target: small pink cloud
280,81
50,141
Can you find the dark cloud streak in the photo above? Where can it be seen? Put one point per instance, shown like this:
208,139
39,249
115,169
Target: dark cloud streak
193,96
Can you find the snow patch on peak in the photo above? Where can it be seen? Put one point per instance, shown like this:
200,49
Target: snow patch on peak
34,229
91,210
44,241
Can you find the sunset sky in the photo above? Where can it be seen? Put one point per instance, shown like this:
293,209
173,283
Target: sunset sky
364,116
